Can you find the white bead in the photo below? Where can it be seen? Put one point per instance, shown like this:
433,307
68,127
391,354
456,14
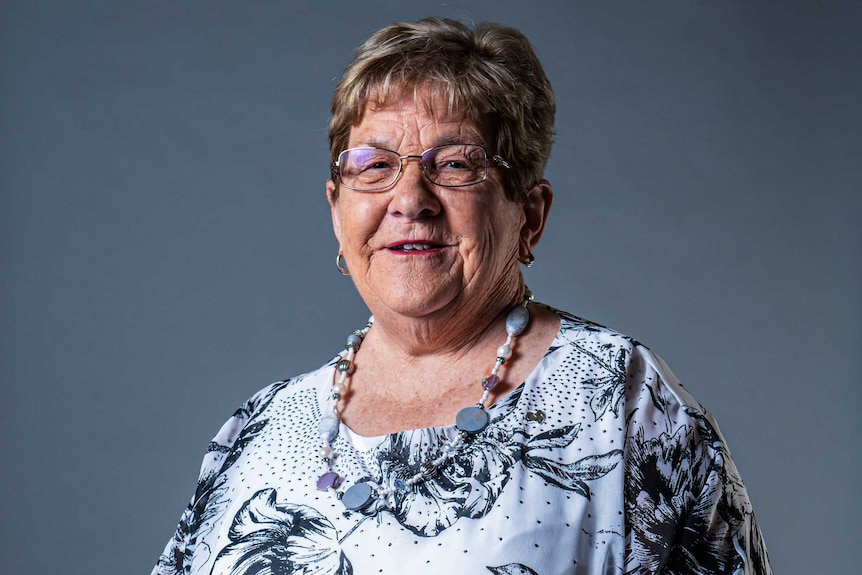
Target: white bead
504,351
325,452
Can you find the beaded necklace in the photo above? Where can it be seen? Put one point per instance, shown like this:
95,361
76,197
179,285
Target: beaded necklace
469,421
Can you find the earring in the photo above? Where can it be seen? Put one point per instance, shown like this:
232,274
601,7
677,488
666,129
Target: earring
341,264
530,259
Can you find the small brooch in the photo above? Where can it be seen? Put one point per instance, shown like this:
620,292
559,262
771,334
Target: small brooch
538,416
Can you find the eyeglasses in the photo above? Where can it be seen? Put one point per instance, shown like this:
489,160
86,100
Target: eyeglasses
370,169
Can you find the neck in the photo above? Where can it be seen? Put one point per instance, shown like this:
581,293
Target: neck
452,331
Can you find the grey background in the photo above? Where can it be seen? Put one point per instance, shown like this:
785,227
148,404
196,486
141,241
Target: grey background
167,251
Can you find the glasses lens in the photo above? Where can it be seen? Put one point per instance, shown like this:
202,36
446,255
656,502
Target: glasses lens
456,165
368,168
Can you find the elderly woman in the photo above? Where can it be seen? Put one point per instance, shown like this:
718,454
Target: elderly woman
465,428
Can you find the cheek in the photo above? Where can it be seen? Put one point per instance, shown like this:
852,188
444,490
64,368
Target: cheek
496,234
359,222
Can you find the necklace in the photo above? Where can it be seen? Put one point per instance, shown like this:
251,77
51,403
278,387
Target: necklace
469,421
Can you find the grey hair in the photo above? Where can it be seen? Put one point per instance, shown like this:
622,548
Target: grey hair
485,72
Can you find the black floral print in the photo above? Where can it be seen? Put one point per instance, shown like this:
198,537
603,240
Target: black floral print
470,484
267,537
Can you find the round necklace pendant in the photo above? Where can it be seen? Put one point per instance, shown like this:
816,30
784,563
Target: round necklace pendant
472,420
358,496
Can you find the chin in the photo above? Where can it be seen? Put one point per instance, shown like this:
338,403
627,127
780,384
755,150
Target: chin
417,301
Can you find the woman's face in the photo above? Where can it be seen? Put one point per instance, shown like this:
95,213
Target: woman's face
469,238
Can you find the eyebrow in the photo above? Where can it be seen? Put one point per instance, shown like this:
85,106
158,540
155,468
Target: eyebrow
470,137
374,143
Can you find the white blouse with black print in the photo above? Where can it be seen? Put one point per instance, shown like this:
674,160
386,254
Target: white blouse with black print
599,463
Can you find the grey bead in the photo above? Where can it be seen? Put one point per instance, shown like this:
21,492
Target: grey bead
472,420
517,320
354,341
358,497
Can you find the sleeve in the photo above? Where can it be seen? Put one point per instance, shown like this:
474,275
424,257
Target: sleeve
687,510
222,452
719,534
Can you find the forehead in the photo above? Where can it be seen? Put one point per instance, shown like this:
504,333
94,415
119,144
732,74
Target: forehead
416,114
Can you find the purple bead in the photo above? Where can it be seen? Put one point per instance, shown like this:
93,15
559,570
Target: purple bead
490,382
330,479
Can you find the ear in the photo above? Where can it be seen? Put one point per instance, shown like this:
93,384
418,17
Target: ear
537,206
334,209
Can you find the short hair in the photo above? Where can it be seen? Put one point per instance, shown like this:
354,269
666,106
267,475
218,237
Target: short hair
487,71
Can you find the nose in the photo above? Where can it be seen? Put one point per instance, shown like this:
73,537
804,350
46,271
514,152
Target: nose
413,195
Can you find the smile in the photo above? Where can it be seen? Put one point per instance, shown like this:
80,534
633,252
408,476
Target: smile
414,247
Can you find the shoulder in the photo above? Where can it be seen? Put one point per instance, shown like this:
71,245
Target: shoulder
680,482
643,372
577,329
627,386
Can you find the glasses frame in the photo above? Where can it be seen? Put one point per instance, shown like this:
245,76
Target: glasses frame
336,166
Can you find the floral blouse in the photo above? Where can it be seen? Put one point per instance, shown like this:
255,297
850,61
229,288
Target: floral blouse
599,463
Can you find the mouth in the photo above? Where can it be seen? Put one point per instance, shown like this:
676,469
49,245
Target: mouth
414,247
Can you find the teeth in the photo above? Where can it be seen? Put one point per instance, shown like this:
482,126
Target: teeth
420,247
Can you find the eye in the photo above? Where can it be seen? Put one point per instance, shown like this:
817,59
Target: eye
450,158
454,164
368,168
378,165
457,158
361,160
